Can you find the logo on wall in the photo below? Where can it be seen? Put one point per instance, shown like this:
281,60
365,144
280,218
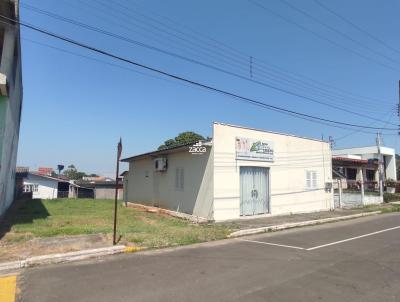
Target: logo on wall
251,149
197,148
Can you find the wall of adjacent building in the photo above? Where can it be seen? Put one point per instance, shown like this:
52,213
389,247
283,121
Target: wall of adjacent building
10,115
146,186
47,188
107,193
293,156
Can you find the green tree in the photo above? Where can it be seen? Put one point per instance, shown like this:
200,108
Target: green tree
398,165
182,139
73,174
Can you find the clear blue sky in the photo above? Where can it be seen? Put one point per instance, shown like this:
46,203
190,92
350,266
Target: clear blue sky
75,109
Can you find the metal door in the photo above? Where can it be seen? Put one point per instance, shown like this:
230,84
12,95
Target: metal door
254,190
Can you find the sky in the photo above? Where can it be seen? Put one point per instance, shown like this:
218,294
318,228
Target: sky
292,54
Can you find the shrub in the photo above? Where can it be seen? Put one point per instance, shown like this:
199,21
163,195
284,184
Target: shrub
390,183
388,197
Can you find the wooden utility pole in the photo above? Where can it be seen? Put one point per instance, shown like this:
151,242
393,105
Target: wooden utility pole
119,151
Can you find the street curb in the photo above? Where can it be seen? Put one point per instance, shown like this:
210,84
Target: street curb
67,257
285,226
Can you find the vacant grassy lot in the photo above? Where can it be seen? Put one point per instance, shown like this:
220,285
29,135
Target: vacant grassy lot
63,217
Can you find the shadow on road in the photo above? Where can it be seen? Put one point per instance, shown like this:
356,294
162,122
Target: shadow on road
22,211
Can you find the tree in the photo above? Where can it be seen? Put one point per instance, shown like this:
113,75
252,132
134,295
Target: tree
73,174
182,139
398,165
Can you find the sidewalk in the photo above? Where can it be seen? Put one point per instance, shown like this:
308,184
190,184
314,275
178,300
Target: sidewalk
251,223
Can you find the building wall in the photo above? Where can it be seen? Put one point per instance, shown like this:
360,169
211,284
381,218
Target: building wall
10,113
107,193
47,188
146,186
293,157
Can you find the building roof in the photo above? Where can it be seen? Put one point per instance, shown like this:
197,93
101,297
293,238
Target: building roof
164,151
346,161
49,177
350,160
273,132
364,150
98,184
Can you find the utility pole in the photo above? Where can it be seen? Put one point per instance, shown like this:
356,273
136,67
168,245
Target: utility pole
398,107
119,151
378,145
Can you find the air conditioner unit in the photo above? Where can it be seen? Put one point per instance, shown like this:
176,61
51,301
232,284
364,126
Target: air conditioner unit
160,164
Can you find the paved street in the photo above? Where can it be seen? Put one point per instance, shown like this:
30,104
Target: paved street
357,260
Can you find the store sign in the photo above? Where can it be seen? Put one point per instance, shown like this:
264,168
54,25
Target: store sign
253,149
197,148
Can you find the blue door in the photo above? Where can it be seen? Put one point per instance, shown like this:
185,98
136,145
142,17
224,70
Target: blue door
254,190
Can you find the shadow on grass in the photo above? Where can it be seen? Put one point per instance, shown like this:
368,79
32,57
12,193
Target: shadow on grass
22,211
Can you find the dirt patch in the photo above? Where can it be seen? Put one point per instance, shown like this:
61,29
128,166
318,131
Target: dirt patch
52,245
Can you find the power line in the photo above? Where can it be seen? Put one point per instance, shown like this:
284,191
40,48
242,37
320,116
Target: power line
221,46
356,26
242,59
205,86
321,36
159,78
357,131
310,16
125,9
165,79
194,61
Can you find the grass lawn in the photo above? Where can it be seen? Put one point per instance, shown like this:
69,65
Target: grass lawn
62,217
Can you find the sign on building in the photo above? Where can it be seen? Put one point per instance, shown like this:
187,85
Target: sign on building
254,149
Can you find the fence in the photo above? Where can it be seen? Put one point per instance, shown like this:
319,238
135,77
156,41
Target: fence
352,194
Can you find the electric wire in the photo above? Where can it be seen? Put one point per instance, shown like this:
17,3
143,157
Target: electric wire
280,89
356,26
310,16
320,36
177,77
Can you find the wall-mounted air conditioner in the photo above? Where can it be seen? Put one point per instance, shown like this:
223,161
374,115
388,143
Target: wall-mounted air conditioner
160,164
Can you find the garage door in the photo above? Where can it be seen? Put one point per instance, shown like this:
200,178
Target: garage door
254,191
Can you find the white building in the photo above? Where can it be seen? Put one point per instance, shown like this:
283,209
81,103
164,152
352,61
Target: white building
10,100
240,172
45,187
371,153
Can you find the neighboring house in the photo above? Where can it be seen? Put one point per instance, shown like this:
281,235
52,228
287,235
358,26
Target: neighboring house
102,189
45,187
361,164
240,172
10,100
353,171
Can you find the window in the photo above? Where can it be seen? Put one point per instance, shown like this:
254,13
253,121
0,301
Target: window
351,173
370,175
179,179
31,188
311,180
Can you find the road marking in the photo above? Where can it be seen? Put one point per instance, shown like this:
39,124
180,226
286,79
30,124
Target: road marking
273,244
8,287
352,238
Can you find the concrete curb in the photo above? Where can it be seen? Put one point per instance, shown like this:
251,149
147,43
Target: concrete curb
67,257
285,226
151,209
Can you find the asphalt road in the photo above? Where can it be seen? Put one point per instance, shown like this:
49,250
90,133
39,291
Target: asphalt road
357,260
